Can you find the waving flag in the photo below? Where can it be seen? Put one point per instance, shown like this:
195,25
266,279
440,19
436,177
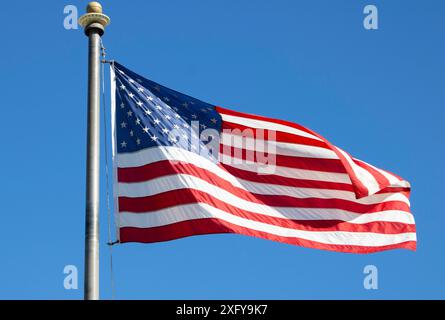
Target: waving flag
184,167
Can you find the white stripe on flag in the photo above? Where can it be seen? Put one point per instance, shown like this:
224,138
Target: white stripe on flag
200,211
181,181
266,125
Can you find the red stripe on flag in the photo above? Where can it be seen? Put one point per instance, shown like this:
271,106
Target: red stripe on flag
315,164
270,200
213,226
164,167
279,136
255,117
189,196
380,178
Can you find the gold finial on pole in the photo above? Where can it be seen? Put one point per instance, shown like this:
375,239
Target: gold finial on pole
94,7
94,18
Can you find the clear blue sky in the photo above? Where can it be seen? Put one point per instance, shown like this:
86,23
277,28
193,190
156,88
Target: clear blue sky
377,94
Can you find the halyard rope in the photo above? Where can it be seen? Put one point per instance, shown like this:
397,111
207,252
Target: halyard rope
110,243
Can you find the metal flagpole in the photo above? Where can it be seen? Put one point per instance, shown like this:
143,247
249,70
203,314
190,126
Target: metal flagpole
94,23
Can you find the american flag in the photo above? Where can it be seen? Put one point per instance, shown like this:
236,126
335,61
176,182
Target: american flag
184,167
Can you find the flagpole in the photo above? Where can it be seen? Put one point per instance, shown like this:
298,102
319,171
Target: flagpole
94,23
